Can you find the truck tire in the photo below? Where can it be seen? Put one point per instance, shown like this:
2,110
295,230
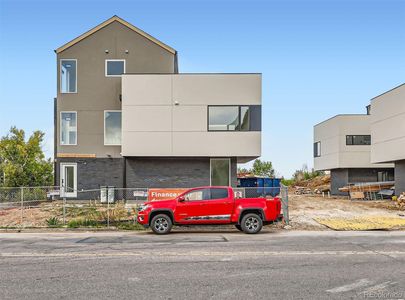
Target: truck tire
161,224
251,223
238,227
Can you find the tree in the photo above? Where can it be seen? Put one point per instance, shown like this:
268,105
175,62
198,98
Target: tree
23,163
263,168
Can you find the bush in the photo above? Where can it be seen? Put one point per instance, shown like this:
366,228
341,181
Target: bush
53,222
76,223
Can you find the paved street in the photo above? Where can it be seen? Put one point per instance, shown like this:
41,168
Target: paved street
201,265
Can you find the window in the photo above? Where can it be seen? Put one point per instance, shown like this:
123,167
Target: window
220,171
234,118
352,140
219,193
68,75
68,128
385,176
114,67
244,118
197,195
317,149
112,128
223,118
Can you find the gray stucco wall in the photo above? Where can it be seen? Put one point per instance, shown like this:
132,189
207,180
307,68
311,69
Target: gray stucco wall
339,178
95,91
171,172
399,177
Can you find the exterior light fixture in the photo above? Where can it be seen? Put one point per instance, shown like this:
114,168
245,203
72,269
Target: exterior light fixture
126,51
106,51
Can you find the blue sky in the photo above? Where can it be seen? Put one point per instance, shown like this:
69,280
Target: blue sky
318,58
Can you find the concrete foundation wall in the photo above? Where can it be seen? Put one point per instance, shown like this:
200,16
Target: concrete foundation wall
399,177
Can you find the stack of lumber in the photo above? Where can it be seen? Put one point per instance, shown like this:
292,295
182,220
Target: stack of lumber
368,187
401,201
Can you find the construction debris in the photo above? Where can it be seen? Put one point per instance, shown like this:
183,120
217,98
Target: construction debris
401,201
317,185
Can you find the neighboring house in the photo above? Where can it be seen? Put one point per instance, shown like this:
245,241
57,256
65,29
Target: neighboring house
125,117
342,144
388,129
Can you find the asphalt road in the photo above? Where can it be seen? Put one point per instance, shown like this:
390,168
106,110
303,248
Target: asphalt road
203,265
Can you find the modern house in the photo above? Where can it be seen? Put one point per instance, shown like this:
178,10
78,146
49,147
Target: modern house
125,116
388,129
342,145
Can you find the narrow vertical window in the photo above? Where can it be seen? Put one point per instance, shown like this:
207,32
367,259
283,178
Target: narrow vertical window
112,128
317,149
68,76
220,172
68,128
244,118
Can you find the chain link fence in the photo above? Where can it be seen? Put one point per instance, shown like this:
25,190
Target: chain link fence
25,207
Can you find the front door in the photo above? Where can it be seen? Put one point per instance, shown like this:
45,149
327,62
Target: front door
68,179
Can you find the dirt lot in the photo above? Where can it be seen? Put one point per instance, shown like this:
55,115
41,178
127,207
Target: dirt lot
304,208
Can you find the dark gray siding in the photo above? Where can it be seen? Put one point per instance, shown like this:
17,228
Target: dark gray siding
399,177
171,172
95,172
339,178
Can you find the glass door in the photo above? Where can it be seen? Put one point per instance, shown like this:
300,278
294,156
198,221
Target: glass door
68,179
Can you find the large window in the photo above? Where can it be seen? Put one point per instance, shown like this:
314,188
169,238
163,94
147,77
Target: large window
317,149
112,127
68,128
234,118
352,140
68,76
220,171
114,67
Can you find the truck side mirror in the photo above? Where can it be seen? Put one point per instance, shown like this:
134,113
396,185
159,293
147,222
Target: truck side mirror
182,199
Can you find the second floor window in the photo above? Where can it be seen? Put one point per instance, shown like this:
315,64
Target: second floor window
114,67
68,76
234,118
317,149
112,128
68,128
352,140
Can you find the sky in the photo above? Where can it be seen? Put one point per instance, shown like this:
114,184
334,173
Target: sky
318,58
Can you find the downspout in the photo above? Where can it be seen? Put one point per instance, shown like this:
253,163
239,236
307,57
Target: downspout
176,63
55,132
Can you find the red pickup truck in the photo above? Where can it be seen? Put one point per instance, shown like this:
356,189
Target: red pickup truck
210,205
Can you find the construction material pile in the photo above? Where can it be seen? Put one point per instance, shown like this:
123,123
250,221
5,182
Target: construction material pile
401,201
317,185
370,190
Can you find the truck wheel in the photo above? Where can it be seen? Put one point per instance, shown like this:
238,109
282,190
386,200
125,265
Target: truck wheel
251,223
161,224
238,227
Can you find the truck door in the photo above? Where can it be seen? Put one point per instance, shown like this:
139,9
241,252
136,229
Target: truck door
191,210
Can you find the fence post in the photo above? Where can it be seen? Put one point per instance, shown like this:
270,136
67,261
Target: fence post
63,204
22,204
108,207
284,202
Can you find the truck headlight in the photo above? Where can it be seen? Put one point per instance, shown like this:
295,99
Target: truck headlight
143,207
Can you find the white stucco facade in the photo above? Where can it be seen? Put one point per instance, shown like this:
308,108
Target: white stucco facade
334,152
167,115
388,126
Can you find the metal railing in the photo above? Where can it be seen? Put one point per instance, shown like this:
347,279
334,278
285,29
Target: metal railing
23,207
